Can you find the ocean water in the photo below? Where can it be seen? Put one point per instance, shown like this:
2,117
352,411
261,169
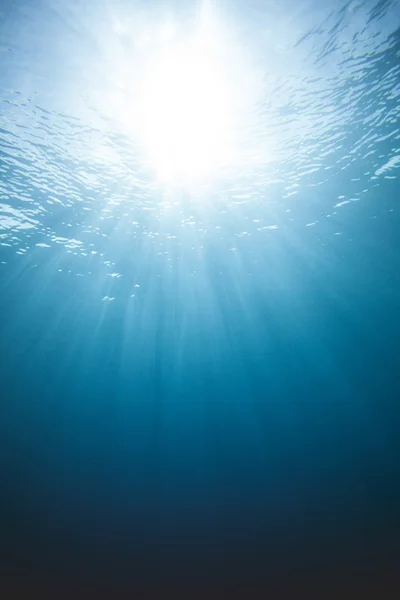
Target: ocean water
199,294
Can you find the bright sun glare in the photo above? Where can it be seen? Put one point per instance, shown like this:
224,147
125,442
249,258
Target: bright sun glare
185,114
180,107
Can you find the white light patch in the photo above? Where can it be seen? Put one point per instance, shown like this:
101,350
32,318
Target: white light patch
184,113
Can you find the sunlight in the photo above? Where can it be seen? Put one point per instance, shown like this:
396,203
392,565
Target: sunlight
184,94
184,113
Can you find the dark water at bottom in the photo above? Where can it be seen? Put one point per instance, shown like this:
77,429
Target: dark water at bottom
267,461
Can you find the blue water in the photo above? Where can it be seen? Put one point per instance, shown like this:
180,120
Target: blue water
200,375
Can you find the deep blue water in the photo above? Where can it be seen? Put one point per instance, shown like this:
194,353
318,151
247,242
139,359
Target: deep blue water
200,374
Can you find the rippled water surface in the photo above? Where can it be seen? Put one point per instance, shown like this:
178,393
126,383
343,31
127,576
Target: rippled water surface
313,137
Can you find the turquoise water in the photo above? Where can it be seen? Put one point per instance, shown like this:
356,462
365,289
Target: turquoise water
199,293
